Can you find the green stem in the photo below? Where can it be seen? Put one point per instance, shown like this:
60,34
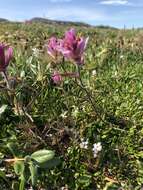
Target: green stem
89,96
5,78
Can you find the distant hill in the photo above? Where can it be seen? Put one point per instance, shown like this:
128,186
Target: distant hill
63,23
3,20
106,27
48,21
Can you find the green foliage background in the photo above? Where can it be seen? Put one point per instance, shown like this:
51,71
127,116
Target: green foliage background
62,114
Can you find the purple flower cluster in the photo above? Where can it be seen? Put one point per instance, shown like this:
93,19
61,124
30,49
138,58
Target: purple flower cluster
6,54
71,47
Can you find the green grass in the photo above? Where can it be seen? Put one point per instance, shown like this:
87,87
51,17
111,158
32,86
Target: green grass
62,115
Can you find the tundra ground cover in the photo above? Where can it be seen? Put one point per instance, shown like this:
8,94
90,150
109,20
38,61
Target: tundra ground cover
93,123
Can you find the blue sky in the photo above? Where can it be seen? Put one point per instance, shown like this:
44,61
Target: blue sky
116,13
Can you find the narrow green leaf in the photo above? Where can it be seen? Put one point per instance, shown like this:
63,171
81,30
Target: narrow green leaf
33,171
15,185
19,167
22,182
3,176
2,109
12,147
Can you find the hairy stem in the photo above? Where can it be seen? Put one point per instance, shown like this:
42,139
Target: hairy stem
5,78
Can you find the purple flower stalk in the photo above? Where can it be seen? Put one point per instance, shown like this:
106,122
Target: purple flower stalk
72,47
56,77
6,54
53,47
71,75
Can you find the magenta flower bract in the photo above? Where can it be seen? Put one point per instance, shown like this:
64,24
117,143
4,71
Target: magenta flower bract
53,47
6,54
72,47
71,75
56,77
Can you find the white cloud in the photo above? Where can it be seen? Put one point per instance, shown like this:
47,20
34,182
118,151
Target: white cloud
60,1
114,2
75,14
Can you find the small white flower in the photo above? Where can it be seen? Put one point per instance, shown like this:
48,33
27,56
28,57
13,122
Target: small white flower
49,135
64,114
75,112
94,73
94,155
116,73
36,52
84,144
97,147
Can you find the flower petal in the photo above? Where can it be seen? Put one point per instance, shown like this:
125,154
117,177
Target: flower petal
8,55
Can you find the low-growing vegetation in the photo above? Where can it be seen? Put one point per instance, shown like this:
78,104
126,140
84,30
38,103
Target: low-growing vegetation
71,107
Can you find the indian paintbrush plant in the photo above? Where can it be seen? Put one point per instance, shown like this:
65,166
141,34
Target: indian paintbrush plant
41,159
69,50
59,98
6,54
72,49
